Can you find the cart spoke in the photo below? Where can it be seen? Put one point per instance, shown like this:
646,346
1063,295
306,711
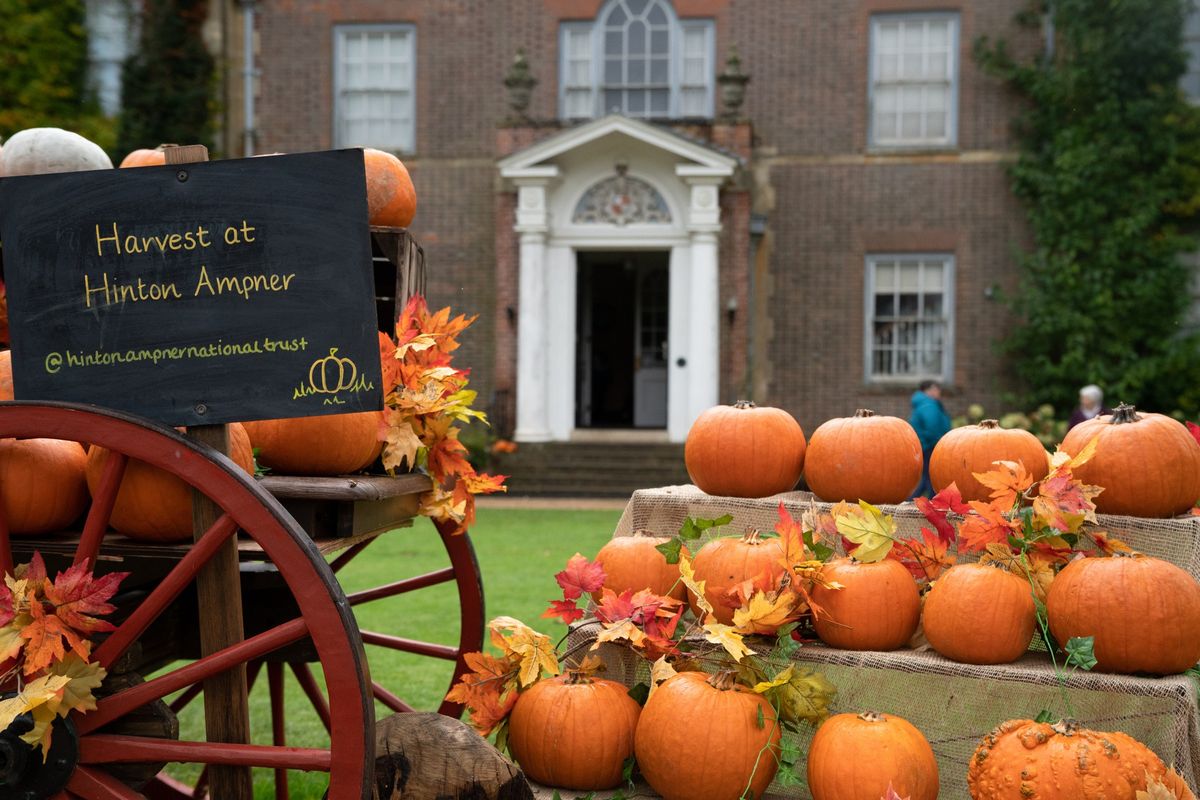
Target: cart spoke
91,784
400,587
103,501
167,590
164,787
275,683
410,645
308,683
346,557
115,749
121,703
390,700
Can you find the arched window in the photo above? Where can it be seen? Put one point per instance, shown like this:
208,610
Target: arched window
620,200
637,58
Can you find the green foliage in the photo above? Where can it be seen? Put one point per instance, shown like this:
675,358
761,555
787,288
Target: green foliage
43,70
169,80
1109,166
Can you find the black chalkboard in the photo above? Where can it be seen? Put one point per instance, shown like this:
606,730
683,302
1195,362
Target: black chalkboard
195,294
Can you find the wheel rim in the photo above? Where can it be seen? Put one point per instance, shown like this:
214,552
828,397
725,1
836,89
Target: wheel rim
325,616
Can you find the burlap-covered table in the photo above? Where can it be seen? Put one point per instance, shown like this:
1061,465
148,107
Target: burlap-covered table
953,704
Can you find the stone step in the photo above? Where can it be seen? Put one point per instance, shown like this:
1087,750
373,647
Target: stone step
590,469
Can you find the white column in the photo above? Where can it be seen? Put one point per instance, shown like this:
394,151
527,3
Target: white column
704,333
533,411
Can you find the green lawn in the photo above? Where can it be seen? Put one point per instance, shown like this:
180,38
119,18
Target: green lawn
518,550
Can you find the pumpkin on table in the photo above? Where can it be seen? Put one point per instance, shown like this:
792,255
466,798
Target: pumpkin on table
706,736
152,504
877,608
744,450
726,562
333,444
864,457
1151,624
633,562
145,158
979,614
974,448
573,731
1148,464
42,151
891,752
391,198
42,484
1023,759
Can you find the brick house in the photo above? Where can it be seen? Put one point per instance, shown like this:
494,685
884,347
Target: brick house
637,247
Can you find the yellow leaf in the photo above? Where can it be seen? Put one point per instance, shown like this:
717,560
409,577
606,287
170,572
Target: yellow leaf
623,629
872,531
659,671
11,640
533,649
728,638
688,576
805,697
83,677
764,615
778,680
42,698
1155,790
400,447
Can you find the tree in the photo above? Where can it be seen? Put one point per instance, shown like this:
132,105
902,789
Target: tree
43,70
1109,172
169,80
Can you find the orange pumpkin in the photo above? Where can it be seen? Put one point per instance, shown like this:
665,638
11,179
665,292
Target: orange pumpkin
864,457
391,197
705,736
632,562
897,753
145,158
974,448
877,608
744,451
1148,464
726,562
6,380
1023,759
42,484
329,445
979,614
573,731
152,504
1152,624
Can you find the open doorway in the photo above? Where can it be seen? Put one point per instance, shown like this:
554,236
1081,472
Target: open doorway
621,341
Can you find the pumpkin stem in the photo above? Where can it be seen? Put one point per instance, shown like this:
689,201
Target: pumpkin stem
751,537
574,677
872,716
864,412
989,424
1065,727
723,680
744,404
1124,413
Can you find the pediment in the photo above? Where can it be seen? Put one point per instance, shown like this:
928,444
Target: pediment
538,160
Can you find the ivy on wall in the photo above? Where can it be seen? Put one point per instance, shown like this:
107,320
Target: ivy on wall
1109,172
43,70
169,82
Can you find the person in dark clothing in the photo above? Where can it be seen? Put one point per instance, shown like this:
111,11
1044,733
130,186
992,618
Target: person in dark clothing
1091,404
931,422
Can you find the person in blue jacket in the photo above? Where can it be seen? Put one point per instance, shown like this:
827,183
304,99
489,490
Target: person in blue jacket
931,422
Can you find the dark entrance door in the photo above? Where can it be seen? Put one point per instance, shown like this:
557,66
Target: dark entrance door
621,342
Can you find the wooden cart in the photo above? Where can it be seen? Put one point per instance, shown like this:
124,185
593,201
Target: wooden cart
293,536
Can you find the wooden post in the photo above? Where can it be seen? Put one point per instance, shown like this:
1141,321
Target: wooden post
219,588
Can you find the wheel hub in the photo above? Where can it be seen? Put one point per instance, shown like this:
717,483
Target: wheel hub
24,775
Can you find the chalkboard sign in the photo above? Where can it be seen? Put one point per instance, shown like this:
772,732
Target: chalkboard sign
195,294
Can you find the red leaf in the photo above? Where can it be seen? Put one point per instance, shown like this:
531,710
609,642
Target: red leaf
983,527
615,607
35,572
580,576
938,509
567,610
78,596
1194,429
6,606
926,558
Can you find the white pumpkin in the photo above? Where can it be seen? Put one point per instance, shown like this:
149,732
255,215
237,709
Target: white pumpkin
39,151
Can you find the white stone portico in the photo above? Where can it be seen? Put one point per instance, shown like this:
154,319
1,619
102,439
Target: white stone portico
550,178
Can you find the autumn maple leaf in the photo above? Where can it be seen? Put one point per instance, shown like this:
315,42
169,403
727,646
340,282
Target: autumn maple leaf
987,524
938,509
77,596
445,457
45,634
892,794
566,610
482,483
1107,545
728,638
1064,503
488,690
1194,430
765,612
580,576
926,558
7,611
1007,481
872,531
791,539
533,650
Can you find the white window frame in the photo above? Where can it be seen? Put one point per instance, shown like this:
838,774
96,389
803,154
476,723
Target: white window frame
112,30
595,27
339,32
947,142
948,272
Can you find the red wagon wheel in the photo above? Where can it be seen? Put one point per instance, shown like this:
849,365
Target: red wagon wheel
101,745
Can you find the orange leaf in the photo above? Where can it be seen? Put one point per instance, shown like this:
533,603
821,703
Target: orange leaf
765,612
926,558
488,690
791,539
1064,503
78,596
45,633
1007,481
1108,546
987,524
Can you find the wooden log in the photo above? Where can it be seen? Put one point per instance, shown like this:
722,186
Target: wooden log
425,755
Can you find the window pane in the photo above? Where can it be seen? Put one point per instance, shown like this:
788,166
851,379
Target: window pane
888,66
911,36
636,7
888,37
659,70
914,56
885,276
660,102
657,16
939,34
885,305
617,16
931,280
614,44
612,100
933,305
910,276
636,38
612,71
356,47
693,103
636,71
659,42
693,71
579,103
637,102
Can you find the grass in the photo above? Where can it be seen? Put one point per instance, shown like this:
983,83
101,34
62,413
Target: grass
519,551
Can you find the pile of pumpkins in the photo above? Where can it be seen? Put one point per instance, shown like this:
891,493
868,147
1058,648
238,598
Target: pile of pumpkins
45,483
1148,464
